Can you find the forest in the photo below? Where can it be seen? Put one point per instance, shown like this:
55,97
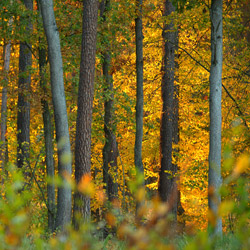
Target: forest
125,124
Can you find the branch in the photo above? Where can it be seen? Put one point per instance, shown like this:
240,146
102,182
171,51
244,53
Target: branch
33,177
224,87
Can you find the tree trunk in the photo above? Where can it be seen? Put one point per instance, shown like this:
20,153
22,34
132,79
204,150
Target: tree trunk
176,136
167,183
246,18
110,150
3,148
63,216
23,115
139,100
49,149
214,177
85,103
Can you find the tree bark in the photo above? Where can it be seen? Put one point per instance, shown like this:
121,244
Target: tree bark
176,136
4,148
23,115
139,100
110,150
85,103
167,182
214,176
63,216
139,89
49,149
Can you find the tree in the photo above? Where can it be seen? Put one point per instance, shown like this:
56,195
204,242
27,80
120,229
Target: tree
23,115
214,177
63,216
139,92
176,135
6,66
110,150
167,182
84,112
49,148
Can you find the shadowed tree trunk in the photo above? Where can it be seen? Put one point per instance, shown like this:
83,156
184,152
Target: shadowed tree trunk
63,215
49,149
176,137
110,150
84,113
214,176
167,182
139,101
4,146
23,115
48,137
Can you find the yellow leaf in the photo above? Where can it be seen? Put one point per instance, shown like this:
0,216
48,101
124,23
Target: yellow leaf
85,185
242,164
225,207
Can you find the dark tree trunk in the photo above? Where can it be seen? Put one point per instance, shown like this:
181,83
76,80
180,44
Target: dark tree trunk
110,150
63,216
85,103
246,19
214,175
139,100
139,89
23,115
176,137
4,147
167,182
49,149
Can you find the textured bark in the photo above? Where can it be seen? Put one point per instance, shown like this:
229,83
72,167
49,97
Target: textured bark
167,182
139,99
63,215
85,103
176,139
139,89
110,150
49,149
23,115
176,136
214,176
3,147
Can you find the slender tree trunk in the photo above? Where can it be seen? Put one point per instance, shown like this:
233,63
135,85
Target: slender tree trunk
139,90
176,136
246,18
110,150
48,137
3,147
49,149
63,216
85,103
4,158
139,101
214,177
23,115
167,182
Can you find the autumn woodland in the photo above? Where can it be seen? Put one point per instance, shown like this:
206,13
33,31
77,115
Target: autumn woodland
125,124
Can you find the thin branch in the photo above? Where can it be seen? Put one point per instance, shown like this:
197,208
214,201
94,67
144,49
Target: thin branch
228,93
33,177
